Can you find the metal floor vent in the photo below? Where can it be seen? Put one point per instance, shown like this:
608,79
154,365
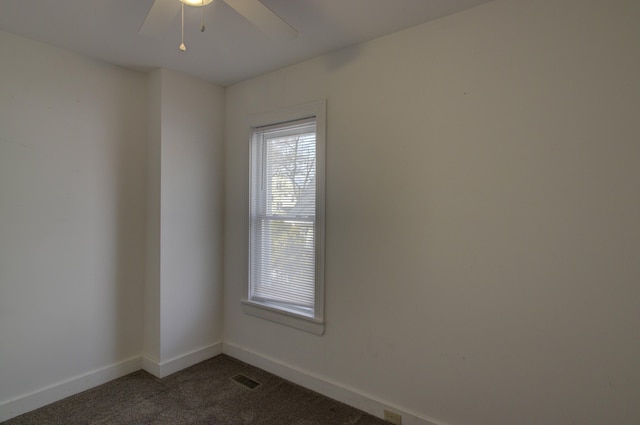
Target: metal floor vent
245,381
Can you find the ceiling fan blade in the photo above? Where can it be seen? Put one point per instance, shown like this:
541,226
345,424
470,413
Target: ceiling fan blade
159,18
263,18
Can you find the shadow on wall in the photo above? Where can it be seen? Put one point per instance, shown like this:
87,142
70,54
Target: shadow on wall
130,168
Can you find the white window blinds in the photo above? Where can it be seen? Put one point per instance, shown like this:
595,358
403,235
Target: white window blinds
283,225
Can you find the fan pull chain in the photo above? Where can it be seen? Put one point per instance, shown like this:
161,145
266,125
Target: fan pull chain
183,48
202,17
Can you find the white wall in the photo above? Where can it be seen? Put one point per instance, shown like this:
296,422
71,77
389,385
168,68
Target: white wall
482,216
88,284
72,215
184,281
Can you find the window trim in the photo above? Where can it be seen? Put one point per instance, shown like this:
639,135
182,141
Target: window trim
315,324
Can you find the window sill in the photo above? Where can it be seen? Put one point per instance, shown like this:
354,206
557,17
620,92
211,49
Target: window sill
307,324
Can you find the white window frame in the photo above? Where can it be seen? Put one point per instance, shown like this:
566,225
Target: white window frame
315,324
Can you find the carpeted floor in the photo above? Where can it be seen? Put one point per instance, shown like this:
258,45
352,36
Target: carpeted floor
202,394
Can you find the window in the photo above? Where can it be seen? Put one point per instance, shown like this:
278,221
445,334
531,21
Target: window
286,217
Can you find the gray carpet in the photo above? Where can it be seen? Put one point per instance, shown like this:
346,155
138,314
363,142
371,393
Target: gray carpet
202,394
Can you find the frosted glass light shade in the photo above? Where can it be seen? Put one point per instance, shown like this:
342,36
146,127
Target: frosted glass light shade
196,3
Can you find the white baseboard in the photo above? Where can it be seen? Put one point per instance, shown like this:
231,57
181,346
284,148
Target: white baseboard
168,367
324,386
28,402
358,399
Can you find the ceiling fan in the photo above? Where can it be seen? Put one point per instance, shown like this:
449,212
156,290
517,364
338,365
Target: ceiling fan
163,12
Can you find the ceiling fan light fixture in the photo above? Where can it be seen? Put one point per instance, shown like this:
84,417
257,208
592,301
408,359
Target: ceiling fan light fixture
196,3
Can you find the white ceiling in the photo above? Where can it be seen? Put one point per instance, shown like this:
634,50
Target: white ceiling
231,49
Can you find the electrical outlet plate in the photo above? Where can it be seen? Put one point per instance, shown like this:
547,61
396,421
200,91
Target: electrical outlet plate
392,417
